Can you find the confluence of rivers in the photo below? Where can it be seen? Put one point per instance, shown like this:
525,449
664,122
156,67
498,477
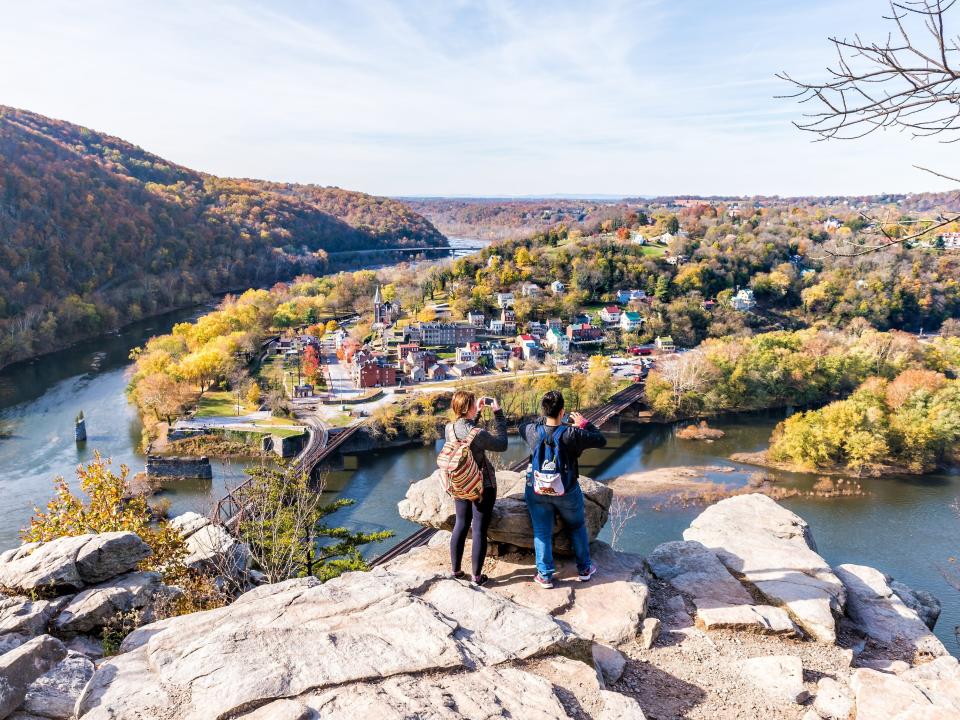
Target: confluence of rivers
904,525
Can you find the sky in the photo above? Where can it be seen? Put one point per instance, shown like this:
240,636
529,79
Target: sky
451,98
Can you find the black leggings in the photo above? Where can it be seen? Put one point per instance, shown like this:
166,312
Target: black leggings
477,513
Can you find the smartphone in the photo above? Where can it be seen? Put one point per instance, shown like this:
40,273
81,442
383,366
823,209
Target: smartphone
567,420
487,401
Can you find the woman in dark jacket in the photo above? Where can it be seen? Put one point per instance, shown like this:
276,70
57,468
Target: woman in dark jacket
478,513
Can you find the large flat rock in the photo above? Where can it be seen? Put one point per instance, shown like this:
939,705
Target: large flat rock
71,562
428,504
773,550
610,608
491,692
303,637
883,616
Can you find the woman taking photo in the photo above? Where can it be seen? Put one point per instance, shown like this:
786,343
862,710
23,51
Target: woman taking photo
477,513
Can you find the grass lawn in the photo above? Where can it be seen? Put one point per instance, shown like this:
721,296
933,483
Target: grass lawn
220,403
653,250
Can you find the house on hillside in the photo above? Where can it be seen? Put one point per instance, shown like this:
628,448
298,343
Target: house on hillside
628,296
665,344
470,352
638,238
477,319
505,300
631,321
557,341
555,324
531,290
610,315
529,347
438,371
743,301
557,287
584,334
467,369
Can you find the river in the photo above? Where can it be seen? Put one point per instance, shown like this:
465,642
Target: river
904,525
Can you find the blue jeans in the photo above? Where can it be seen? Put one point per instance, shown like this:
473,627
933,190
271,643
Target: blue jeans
543,509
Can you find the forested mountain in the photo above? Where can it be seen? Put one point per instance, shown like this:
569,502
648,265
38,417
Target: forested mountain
95,232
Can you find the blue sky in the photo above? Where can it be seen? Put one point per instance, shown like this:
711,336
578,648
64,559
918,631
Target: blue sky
462,98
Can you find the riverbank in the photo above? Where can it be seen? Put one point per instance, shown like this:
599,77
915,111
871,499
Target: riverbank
762,458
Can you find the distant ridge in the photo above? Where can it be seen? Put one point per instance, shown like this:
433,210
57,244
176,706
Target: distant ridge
96,232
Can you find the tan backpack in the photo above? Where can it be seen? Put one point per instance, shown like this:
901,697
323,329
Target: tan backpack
461,476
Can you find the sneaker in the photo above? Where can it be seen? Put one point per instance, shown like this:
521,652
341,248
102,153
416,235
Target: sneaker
585,576
543,582
479,580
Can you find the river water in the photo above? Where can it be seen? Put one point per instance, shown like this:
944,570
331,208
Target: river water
904,525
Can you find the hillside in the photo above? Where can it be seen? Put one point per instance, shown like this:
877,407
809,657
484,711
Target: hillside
501,219
95,232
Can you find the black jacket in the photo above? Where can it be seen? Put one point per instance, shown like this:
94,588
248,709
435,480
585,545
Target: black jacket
573,439
495,441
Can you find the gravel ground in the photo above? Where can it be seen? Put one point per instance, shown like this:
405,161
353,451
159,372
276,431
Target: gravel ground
688,674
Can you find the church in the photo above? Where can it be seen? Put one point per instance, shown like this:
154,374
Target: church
385,313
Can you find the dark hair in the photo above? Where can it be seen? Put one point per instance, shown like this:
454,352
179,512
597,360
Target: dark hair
552,404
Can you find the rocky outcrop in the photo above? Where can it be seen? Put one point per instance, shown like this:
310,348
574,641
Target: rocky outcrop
881,614
721,601
93,608
71,562
610,608
428,504
387,627
212,549
24,664
773,550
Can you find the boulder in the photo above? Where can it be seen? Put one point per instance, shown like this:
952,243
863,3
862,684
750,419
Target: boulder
773,550
94,607
923,603
881,696
54,694
609,661
71,562
211,548
428,504
778,676
24,664
833,700
722,602
21,615
882,615
383,628
189,522
649,632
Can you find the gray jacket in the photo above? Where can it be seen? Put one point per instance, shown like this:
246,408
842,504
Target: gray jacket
495,441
